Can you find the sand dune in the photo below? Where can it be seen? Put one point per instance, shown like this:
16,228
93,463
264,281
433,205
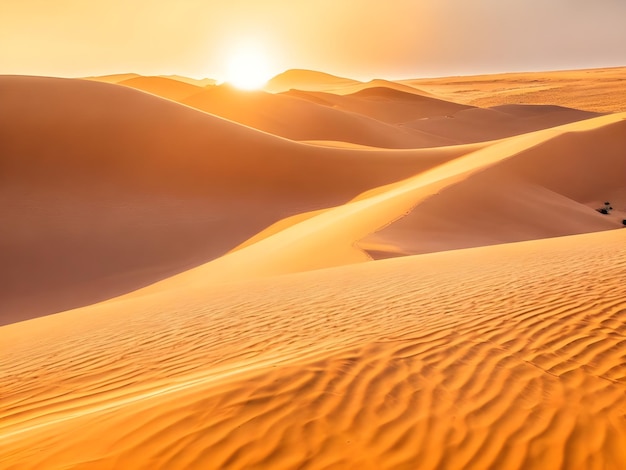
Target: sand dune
115,78
379,83
506,177
122,77
307,80
447,120
222,298
201,82
492,357
168,88
483,124
297,119
385,104
549,189
378,113
120,188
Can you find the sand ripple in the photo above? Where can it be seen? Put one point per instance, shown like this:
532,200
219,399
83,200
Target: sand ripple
499,357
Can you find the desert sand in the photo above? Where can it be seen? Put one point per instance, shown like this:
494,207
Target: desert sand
324,274
378,113
598,90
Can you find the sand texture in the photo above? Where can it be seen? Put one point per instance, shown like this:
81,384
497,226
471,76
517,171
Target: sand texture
599,90
326,274
509,356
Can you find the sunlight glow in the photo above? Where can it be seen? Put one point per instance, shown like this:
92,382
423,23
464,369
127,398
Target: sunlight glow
248,69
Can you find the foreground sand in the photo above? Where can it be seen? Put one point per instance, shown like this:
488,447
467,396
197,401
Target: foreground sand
501,357
221,306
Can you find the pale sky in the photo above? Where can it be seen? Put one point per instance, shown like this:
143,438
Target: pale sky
355,38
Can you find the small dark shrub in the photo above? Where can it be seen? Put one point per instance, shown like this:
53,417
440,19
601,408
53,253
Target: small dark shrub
624,222
602,211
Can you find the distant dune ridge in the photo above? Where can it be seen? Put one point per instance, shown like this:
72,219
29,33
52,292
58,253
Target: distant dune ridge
310,80
192,276
298,119
597,90
378,113
169,88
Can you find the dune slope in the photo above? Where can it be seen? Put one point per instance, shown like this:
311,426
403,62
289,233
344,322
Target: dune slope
120,188
547,190
378,113
294,118
306,80
385,104
509,356
169,88
545,196
482,124
442,119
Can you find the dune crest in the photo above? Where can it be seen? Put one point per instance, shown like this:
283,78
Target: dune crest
378,113
306,80
169,88
299,119
549,190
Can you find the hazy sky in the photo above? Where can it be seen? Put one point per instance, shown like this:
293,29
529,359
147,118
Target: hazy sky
356,38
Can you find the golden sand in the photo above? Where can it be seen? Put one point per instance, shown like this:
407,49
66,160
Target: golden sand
187,283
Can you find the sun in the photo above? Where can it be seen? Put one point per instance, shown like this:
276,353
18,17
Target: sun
248,69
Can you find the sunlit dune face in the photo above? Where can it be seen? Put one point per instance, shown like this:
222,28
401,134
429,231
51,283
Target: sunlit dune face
248,69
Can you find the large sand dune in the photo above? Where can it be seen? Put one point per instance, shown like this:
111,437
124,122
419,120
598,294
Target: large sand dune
303,116
509,356
222,302
509,191
378,113
386,104
301,119
548,189
310,80
120,188
169,88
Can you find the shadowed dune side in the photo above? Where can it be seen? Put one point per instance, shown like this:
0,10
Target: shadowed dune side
380,83
169,88
201,82
115,78
105,189
339,235
444,119
384,117
549,190
298,119
507,357
384,104
480,124
338,144
147,80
